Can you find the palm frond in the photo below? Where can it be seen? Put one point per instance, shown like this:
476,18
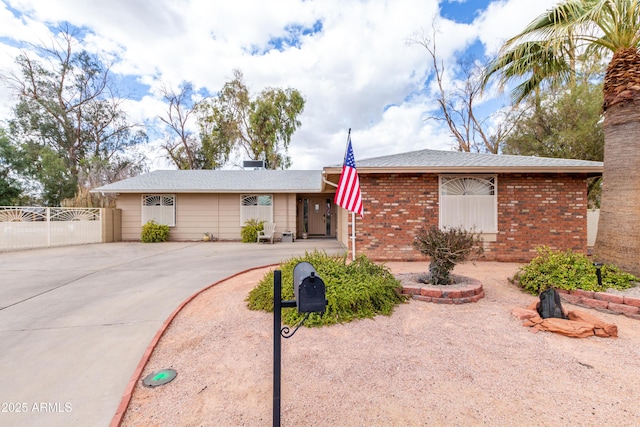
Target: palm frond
545,50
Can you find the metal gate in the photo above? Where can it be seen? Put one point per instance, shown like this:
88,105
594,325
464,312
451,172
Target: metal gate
23,227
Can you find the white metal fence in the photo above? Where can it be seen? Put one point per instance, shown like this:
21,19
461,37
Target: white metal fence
23,227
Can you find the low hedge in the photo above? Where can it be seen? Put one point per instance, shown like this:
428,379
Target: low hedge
569,270
153,232
355,290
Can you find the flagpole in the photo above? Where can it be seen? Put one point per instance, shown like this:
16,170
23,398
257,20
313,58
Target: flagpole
347,147
353,215
353,236
348,191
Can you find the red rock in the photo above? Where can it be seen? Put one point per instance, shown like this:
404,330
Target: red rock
595,303
430,292
523,314
580,292
571,299
603,296
452,294
468,293
411,290
477,297
632,301
623,308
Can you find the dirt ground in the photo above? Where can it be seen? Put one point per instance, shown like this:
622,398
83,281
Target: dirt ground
426,364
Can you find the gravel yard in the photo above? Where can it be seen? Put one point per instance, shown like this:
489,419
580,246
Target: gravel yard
426,364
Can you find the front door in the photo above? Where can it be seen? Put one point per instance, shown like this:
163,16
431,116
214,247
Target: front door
319,211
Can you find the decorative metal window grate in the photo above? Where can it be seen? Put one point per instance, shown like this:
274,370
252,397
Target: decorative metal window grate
467,186
256,206
159,207
469,202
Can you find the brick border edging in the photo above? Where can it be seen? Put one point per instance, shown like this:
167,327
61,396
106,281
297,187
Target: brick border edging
128,393
460,294
611,303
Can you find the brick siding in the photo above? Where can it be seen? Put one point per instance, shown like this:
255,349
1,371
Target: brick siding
533,210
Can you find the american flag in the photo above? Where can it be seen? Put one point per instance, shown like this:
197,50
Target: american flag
348,193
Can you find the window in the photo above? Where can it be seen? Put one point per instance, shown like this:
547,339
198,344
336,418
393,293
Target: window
159,207
256,206
469,202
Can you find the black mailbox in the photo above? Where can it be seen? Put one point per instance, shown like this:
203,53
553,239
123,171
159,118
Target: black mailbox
309,289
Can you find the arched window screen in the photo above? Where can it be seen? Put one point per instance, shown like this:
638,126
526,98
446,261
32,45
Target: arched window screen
256,206
469,202
159,207
468,186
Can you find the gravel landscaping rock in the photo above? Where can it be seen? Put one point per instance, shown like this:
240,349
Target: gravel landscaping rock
426,364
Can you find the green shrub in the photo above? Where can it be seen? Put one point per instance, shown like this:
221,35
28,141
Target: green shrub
154,232
568,270
446,248
249,231
360,289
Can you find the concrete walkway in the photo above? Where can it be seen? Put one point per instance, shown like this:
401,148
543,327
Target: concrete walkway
75,321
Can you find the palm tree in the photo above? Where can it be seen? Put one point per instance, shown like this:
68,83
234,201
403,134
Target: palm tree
539,52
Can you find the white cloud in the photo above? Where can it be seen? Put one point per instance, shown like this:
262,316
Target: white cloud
359,72
504,19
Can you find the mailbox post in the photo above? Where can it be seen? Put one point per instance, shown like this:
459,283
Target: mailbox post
310,293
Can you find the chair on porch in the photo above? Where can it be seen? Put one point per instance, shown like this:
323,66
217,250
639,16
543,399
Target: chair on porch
268,232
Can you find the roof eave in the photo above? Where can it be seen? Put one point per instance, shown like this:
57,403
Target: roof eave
595,170
200,191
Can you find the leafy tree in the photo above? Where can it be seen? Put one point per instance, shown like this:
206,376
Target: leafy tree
10,188
562,124
185,147
260,127
569,126
539,53
67,115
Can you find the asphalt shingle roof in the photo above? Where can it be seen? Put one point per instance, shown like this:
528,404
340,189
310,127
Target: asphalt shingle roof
219,181
457,159
293,181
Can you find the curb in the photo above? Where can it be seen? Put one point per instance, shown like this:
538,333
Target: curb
128,393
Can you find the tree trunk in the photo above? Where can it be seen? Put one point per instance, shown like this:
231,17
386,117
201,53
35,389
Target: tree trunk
618,239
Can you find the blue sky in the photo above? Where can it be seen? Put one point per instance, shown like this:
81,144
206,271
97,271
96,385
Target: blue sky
352,60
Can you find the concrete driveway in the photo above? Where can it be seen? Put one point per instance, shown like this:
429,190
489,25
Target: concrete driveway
75,321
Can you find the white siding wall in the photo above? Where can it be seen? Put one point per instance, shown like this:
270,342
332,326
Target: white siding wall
284,213
218,214
131,207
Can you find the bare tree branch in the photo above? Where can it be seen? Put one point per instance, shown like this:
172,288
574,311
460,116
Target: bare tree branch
457,102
